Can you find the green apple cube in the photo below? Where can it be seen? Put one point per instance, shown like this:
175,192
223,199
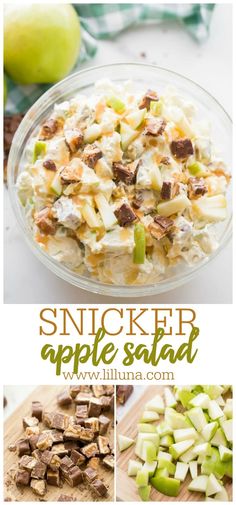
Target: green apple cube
180,447
40,148
187,456
139,248
150,467
225,453
220,401
178,204
142,478
209,431
90,216
213,391
170,399
148,416
222,495
127,134
161,472
213,485
175,420
193,469
56,185
135,119
202,400
200,459
181,471
124,442
164,455
228,409
202,449
214,410
156,107
197,418
212,208
92,133
152,437
115,103
199,484
163,429
144,492
146,428
148,451
185,397
197,169
133,467
185,434
170,467
156,178
213,464
219,438
107,214
166,441
166,485
227,427
156,404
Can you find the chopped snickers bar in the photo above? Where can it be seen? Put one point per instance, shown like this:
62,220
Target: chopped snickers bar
89,474
109,461
124,173
32,431
53,477
99,487
56,436
59,421
77,458
37,410
39,470
44,221
59,450
91,154
74,476
83,398
169,190
74,139
33,439
22,478
109,390
71,174
138,200
38,486
98,391
150,96
125,215
50,165
92,423
103,445
196,187
44,441
48,129
160,226
154,127
74,391
27,462
47,418
182,148
23,447
81,411
104,423
94,462
30,422
90,450
95,407
64,399
123,393
106,402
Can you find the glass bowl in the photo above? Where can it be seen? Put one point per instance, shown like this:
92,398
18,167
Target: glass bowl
147,76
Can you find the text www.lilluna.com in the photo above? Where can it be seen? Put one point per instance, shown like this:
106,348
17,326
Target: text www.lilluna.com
112,374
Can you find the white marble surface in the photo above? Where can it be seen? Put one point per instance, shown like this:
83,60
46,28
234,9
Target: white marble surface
15,395
210,65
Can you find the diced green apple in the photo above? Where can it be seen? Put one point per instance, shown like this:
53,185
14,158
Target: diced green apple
219,438
175,420
144,492
56,185
133,467
227,427
92,133
40,148
156,107
180,447
150,467
148,451
222,495
199,484
156,404
107,214
148,416
177,204
164,455
228,409
213,464
127,134
181,471
166,485
163,429
170,399
197,169
135,119
142,478
202,400
225,453
187,456
185,397
202,449
185,434
213,391
193,469
209,431
156,178
90,216
124,442
116,104
214,410
197,418
146,428
153,437
166,441
213,485
212,208
161,472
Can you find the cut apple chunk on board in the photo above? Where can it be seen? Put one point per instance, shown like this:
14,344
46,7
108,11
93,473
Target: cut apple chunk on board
180,447
156,404
170,399
142,478
107,214
181,471
124,442
197,418
202,400
193,469
185,434
214,410
133,467
177,204
212,208
227,427
148,416
144,492
213,485
199,484
166,485
225,453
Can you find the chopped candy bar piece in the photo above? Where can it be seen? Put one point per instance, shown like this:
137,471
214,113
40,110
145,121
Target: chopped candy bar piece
89,474
91,154
160,226
124,173
182,148
27,462
103,445
92,423
39,470
74,391
125,215
90,450
23,448
81,411
44,221
98,391
74,139
196,187
94,462
30,422
103,424
123,393
50,165
38,486
22,478
77,458
150,96
83,398
53,477
64,398
99,487
74,477
154,127
95,407
48,129
44,441
169,190
109,461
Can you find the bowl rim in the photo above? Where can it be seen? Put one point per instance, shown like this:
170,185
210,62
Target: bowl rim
88,283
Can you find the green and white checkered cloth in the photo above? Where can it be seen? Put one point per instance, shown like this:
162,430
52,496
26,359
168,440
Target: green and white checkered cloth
107,21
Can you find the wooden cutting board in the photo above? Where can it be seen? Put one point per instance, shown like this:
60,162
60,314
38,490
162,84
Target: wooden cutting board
13,430
126,489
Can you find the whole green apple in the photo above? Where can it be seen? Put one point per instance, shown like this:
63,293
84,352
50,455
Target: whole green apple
41,42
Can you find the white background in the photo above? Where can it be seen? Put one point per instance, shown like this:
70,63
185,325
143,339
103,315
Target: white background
210,65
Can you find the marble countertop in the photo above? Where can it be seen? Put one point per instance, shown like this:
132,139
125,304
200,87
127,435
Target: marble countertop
210,65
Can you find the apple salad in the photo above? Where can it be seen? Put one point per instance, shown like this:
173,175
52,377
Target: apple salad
124,185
